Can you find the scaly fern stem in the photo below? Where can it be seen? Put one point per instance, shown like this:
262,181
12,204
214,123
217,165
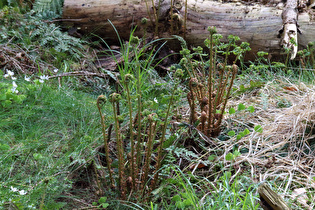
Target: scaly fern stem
148,152
120,150
138,152
234,72
108,160
210,86
159,157
132,158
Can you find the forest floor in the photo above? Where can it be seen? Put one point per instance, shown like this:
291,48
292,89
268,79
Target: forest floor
52,153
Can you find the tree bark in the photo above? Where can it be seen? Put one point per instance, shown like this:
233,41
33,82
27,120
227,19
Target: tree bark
260,25
290,27
269,200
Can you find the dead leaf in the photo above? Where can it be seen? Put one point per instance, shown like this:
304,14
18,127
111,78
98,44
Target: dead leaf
300,195
291,88
199,165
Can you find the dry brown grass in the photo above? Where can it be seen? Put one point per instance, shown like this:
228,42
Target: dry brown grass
285,150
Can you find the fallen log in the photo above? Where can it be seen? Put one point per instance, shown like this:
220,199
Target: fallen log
260,25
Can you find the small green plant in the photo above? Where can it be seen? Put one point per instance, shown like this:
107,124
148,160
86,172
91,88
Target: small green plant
210,85
241,110
146,127
102,203
9,93
307,56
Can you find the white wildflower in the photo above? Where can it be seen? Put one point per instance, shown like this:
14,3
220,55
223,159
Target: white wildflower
155,100
27,78
10,73
56,70
31,206
13,78
44,77
14,86
14,189
22,192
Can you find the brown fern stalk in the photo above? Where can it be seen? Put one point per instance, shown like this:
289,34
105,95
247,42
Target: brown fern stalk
220,90
221,87
224,86
191,101
127,79
101,100
160,149
234,72
212,31
97,179
139,125
148,151
114,98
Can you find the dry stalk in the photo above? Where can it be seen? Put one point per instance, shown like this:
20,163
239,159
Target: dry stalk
100,102
114,99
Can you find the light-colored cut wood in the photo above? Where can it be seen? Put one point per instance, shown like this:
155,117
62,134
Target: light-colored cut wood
257,24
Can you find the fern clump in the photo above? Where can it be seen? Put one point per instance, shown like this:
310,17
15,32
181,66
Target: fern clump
48,9
37,39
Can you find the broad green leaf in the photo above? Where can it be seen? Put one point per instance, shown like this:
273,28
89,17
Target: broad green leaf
102,200
241,107
105,205
251,109
229,157
246,132
242,133
258,128
231,133
231,111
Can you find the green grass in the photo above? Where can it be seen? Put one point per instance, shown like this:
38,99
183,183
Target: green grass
189,191
48,138
52,126
56,130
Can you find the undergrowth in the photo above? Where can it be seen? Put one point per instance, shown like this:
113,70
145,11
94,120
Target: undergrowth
41,140
36,41
139,145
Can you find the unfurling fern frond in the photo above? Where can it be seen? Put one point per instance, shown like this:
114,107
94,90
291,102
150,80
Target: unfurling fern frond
182,41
